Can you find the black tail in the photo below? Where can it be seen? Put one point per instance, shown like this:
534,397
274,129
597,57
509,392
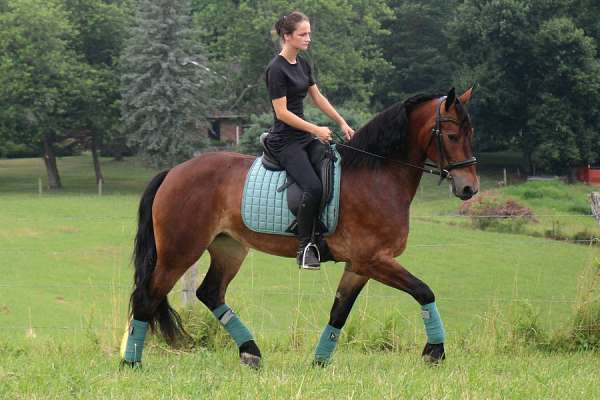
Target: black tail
142,306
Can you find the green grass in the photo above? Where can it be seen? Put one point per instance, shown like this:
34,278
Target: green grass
21,176
50,371
66,280
74,251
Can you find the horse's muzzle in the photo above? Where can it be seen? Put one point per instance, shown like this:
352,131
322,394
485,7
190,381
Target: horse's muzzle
467,193
464,188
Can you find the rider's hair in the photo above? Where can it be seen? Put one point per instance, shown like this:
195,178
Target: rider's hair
287,24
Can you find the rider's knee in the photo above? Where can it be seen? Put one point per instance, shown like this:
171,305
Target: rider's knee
315,191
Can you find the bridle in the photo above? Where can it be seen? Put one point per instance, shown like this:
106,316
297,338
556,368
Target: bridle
436,134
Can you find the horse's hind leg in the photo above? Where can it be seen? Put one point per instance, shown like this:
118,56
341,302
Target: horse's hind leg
149,303
227,256
348,290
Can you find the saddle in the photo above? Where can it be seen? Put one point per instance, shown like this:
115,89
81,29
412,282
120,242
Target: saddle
323,160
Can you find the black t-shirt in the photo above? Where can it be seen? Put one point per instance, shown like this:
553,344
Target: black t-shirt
291,81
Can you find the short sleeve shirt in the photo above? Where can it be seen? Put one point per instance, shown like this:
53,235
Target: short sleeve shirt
291,81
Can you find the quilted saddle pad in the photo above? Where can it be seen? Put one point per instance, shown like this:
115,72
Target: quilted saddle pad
265,210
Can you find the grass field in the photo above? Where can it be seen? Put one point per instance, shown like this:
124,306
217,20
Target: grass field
65,281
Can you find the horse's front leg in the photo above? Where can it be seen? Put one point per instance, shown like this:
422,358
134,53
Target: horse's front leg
350,286
387,270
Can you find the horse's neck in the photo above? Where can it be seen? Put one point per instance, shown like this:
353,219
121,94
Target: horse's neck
415,154
391,180
405,179
398,180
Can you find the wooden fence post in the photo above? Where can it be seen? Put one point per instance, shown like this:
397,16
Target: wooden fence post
188,292
596,205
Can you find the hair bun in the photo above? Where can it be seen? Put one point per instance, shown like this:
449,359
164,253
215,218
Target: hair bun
286,24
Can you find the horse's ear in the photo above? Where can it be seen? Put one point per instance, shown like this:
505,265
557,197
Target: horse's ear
450,99
466,96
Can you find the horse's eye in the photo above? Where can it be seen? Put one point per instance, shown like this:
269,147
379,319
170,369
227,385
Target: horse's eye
454,138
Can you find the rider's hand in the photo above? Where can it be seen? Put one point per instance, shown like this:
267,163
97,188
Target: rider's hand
323,133
347,131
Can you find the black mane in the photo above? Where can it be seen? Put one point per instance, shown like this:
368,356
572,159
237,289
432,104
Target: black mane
385,134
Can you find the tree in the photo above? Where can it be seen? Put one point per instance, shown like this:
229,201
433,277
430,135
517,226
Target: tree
585,14
164,84
562,128
538,72
40,76
101,28
417,49
345,52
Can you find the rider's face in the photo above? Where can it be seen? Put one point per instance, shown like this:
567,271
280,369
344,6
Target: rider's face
300,38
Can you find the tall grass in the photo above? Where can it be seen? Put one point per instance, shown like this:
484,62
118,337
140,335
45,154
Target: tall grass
586,325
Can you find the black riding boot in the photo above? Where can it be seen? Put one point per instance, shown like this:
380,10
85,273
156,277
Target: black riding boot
307,257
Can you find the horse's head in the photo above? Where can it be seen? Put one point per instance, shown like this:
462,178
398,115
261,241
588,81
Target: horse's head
446,139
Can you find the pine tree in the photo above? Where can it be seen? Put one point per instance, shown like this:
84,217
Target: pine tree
165,84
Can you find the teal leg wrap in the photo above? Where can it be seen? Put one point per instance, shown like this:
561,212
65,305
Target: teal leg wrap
135,341
433,324
327,343
232,324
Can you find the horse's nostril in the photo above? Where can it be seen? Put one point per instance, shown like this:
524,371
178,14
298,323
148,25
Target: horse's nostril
467,191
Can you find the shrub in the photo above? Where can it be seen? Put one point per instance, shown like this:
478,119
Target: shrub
9,149
525,325
489,212
585,236
259,124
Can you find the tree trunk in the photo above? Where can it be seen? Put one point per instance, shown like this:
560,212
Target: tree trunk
572,176
117,146
530,165
50,161
96,159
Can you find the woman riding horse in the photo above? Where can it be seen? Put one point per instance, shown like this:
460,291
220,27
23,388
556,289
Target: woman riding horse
196,206
292,139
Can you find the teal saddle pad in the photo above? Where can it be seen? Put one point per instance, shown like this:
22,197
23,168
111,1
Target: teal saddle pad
265,210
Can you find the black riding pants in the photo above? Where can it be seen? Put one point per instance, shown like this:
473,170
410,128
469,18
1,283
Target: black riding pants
296,159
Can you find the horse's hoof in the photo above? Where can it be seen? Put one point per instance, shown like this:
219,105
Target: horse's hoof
130,364
250,360
434,353
320,363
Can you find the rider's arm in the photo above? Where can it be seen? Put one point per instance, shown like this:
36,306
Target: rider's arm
288,117
324,105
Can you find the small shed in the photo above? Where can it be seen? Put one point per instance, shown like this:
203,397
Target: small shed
589,175
226,127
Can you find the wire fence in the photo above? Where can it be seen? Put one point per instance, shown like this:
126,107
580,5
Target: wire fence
188,292
420,216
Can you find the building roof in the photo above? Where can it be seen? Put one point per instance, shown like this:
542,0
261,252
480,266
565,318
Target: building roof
226,115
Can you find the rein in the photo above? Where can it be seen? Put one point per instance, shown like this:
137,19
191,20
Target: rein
436,133
443,174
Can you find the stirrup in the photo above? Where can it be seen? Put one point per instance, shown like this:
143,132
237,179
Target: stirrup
310,267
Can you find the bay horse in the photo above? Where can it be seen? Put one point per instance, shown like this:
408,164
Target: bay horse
196,206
